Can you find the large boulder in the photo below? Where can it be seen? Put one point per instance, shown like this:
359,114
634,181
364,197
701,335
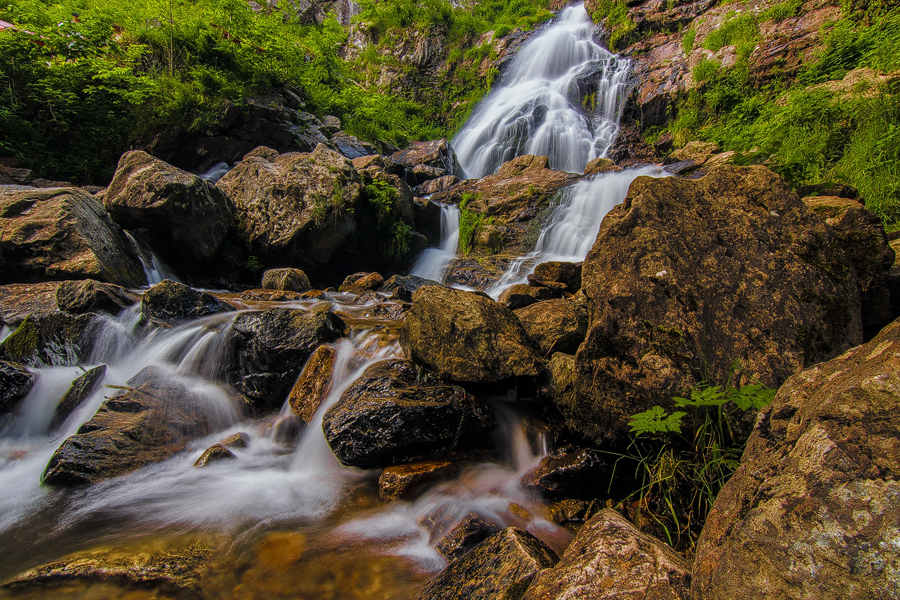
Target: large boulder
265,350
569,473
286,279
610,559
688,279
437,154
15,382
21,300
502,566
396,412
812,511
53,339
153,420
184,215
63,233
169,302
556,325
466,336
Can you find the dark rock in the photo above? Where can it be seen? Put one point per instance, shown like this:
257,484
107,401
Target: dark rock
437,153
687,277
80,390
286,430
170,302
610,559
465,535
581,474
572,510
466,336
402,482
15,383
403,288
63,233
313,385
78,297
351,146
265,350
813,508
557,383
183,215
521,295
556,325
291,280
153,420
396,412
562,272
53,339
236,440
214,453
502,566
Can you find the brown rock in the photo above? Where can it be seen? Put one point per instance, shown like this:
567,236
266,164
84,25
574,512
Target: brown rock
610,559
313,385
571,510
688,276
78,297
80,390
263,152
600,165
465,535
271,296
502,566
169,302
63,233
695,151
21,300
521,295
361,282
812,511
290,280
402,482
439,184
561,272
214,453
582,474
153,420
237,440
437,153
520,164
466,336
556,325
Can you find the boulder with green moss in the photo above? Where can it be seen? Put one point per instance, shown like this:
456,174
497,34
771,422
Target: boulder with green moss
53,339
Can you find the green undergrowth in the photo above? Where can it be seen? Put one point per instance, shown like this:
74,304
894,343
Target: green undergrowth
614,15
470,223
680,460
808,134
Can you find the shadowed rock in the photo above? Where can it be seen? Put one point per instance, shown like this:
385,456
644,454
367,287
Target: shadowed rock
15,382
581,474
80,390
556,325
465,535
54,339
291,280
169,302
214,453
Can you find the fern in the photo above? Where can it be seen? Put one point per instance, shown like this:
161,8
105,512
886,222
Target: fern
656,420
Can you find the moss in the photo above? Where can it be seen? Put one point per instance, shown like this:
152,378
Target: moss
23,344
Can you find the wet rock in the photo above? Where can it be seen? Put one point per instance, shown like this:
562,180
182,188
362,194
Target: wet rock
314,383
581,474
391,311
183,215
402,482
177,570
466,336
270,296
290,280
687,277
502,566
600,165
572,510
611,559
433,186
361,282
813,509
80,390
521,295
865,244
21,300
15,383
154,419
63,233
437,153
556,325
465,535
402,288
54,339
566,273
286,430
521,164
236,440
214,453
169,302
396,412
351,146
78,297
265,350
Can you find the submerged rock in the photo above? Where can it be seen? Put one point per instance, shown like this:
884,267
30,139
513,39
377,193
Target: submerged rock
313,384
465,535
214,453
265,350
688,277
466,336
556,325
502,566
80,390
183,215
154,419
581,474
53,339
63,233
610,559
396,412
402,482
812,511
15,383
170,302
290,280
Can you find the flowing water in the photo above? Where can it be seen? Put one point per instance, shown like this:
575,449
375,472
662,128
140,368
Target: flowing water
433,263
561,97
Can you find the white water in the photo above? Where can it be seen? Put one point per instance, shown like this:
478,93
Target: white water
433,262
532,111
216,172
154,268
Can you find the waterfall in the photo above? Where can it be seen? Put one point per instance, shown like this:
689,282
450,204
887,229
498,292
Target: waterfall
562,97
154,268
433,262
215,173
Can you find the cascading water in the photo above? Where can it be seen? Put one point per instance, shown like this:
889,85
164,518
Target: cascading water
561,97
433,263
154,268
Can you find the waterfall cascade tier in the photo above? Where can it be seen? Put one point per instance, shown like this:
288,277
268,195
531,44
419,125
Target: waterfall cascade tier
433,263
561,97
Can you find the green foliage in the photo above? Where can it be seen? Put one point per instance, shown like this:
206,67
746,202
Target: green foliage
740,31
614,14
781,11
687,42
381,196
705,70
399,243
470,223
253,264
656,420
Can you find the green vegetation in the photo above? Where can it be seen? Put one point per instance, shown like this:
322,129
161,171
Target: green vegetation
687,42
808,132
614,14
470,223
781,11
381,196
682,460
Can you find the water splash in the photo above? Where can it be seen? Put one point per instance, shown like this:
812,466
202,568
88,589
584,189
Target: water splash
548,103
433,262
154,268
216,172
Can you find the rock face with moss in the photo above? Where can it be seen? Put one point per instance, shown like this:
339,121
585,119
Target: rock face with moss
466,336
396,412
812,511
182,215
63,233
153,420
690,279
54,339
15,382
